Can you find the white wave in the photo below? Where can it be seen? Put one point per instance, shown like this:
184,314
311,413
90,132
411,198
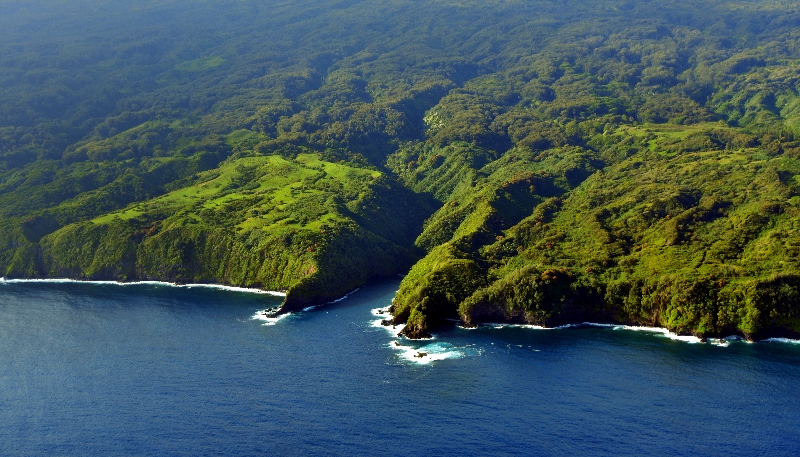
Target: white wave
259,316
345,295
153,283
467,328
426,354
782,340
721,342
664,332
248,290
595,324
60,281
528,326
581,325
560,327
394,330
725,342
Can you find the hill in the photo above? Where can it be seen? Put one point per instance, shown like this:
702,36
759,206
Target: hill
535,161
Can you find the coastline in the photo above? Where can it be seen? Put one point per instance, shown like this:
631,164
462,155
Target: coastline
690,339
273,319
251,290
666,333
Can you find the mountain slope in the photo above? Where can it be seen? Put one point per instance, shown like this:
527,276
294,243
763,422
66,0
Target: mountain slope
525,153
314,228
698,242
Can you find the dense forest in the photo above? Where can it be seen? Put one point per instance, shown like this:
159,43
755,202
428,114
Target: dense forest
544,162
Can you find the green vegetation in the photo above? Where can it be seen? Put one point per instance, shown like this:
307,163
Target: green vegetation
539,161
311,227
700,242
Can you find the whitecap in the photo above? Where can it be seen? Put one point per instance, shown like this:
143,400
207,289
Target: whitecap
581,325
345,295
782,340
664,332
152,283
393,330
726,341
428,353
260,316
527,326
721,342
58,281
595,324
248,290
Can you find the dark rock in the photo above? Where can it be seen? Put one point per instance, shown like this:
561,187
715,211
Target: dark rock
414,332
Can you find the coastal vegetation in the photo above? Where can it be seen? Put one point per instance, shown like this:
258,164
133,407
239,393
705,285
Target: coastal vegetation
545,162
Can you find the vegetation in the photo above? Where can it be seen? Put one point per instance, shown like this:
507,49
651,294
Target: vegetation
296,224
539,161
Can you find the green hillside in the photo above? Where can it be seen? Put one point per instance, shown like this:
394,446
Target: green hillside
545,162
301,224
701,242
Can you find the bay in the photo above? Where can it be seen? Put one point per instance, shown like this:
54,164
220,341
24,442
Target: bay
148,369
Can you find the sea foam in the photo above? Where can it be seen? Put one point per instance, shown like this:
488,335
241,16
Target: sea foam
664,332
394,330
782,340
428,353
539,327
310,308
345,295
152,283
260,316
659,330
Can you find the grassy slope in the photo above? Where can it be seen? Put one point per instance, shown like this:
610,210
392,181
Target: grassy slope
314,228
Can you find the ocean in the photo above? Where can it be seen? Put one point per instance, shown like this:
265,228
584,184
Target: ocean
152,369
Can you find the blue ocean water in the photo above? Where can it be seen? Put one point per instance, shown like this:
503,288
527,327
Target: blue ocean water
157,370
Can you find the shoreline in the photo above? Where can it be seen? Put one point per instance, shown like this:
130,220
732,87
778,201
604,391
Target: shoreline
659,330
690,339
250,290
